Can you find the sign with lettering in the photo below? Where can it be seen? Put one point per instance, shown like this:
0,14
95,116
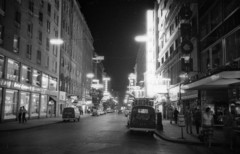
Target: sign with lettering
142,102
181,121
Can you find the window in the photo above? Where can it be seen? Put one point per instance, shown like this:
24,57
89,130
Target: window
29,51
39,37
16,40
31,7
26,74
17,19
36,78
39,57
41,3
1,34
13,70
216,15
52,83
47,44
30,29
40,18
57,4
2,7
55,18
1,65
48,26
56,33
171,49
166,55
233,46
217,58
49,9
47,62
45,81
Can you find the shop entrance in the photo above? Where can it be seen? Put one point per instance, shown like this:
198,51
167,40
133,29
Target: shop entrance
51,108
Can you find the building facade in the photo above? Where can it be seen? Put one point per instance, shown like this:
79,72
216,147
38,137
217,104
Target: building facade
29,63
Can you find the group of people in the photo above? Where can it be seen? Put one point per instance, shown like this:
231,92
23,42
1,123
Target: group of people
206,122
22,115
173,115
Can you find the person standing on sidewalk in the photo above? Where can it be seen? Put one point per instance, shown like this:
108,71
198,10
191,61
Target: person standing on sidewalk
176,112
197,119
170,115
20,113
208,125
188,119
24,112
228,128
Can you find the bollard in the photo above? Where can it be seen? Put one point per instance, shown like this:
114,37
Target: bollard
159,121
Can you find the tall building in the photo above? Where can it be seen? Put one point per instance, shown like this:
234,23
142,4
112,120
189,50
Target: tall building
28,62
198,50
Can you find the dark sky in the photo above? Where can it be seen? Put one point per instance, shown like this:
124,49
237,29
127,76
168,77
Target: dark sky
114,25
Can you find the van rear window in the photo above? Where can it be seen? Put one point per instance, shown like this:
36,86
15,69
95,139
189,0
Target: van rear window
68,109
143,111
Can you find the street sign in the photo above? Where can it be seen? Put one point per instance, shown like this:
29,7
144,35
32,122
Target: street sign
181,121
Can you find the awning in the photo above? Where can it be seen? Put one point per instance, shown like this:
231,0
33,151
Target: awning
219,80
53,98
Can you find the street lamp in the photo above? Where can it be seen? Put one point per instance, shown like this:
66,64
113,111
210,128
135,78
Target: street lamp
141,38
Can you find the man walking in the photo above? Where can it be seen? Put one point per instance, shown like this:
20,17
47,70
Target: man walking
176,115
24,112
188,120
198,119
20,115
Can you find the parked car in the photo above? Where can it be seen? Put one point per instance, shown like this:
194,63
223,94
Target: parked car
109,110
142,117
71,113
96,112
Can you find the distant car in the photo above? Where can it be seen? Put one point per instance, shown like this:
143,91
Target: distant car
109,110
96,112
71,113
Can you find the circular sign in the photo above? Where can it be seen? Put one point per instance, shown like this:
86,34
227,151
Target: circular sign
186,47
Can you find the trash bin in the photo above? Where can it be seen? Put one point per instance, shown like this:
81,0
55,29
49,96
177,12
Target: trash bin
159,121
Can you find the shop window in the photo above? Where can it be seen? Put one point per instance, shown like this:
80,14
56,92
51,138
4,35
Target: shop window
52,83
216,15
13,70
45,81
233,46
1,66
26,74
10,109
43,109
35,105
16,41
25,100
217,58
36,78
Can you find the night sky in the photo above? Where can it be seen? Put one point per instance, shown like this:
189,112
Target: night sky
114,25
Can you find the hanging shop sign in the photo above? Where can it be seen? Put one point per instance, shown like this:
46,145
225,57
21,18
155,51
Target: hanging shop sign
186,47
181,121
21,86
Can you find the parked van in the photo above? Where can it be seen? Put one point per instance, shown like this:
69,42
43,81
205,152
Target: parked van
71,113
142,116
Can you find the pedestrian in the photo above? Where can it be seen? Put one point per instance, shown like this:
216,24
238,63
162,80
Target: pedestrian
198,119
228,128
208,125
188,119
24,112
170,115
176,115
20,115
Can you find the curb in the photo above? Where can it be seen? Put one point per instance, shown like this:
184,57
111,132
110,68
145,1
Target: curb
165,138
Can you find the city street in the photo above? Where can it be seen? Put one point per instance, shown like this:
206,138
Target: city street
105,134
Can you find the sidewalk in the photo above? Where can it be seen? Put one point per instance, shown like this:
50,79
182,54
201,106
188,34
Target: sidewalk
15,125
173,133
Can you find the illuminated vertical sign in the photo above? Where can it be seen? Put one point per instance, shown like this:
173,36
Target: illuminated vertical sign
150,50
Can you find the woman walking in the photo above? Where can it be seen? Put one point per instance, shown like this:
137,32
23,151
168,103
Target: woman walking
208,124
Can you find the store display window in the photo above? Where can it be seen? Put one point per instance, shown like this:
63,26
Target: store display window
26,74
25,100
35,105
36,78
11,99
13,70
53,83
45,81
1,65
43,109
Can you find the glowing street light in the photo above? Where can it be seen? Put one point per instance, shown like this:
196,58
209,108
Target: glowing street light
56,41
90,75
142,38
